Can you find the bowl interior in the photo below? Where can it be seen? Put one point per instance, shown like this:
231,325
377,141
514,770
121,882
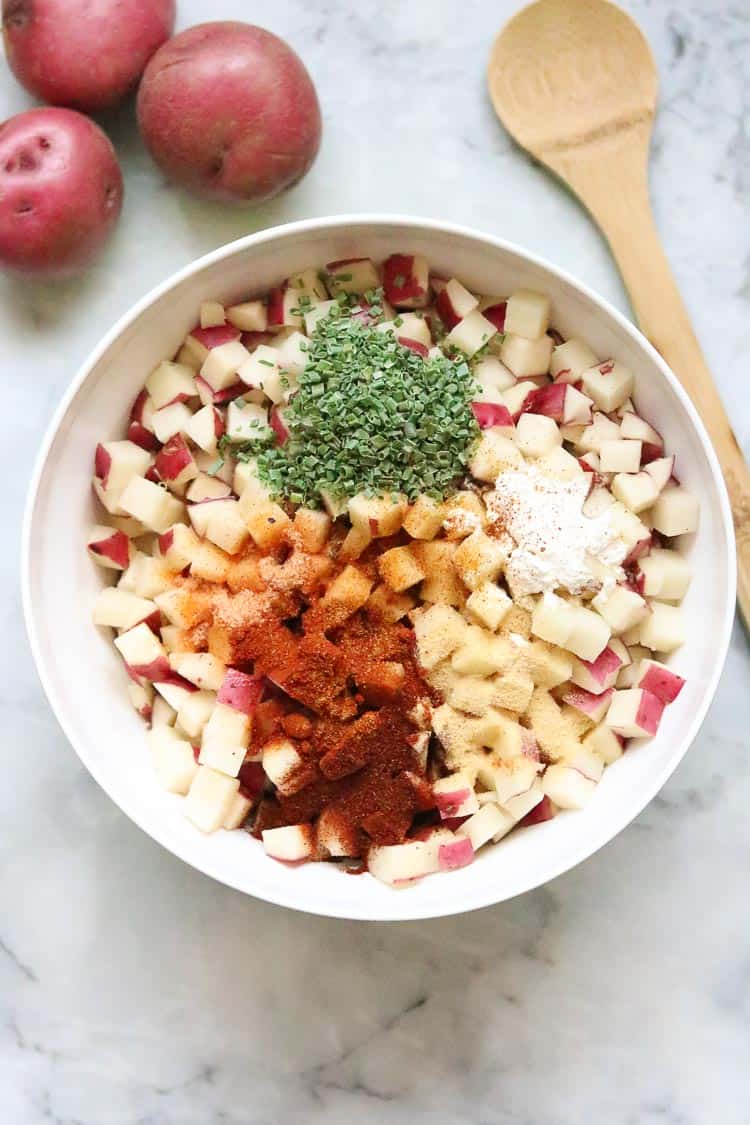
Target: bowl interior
83,675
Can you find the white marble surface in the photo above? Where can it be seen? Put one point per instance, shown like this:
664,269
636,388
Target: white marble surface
134,990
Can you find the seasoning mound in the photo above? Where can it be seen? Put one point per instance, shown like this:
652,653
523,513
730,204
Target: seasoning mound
372,415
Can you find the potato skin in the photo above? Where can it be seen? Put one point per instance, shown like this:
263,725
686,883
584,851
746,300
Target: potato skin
83,54
229,111
60,192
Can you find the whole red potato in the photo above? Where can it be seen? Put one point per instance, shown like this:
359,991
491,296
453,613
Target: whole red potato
60,192
229,111
84,54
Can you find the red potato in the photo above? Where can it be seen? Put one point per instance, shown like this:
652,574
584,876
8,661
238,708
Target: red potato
229,111
83,54
60,192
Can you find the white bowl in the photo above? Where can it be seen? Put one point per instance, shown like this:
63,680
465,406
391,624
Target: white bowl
83,676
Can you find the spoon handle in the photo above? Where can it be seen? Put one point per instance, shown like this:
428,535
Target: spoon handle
614,188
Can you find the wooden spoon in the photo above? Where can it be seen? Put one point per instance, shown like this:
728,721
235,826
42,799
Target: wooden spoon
574,82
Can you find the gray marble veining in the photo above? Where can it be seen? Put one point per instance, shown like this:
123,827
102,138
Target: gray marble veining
134,990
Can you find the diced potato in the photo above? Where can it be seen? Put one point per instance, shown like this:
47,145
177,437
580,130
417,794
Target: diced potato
512,691
350,588
267,524
547,665
554,738
570,360
313,528
526,357
589,635
666,575
536,434
527,314
439,630
387,606
210,563
663,630
463,513
472,694
480,653
676,512
567,787
381,515
400,569
636,491
609,384
442,584
553,619
480,558
210,798
620,456
603,741
621,608
493,454
516,622
488,605
424,518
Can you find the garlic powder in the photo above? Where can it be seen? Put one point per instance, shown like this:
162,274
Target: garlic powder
557,546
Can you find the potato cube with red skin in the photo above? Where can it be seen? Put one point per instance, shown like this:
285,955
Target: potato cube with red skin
175,464
635,713
406,281
151,504
204,487
291,844
313,528
439,630
110,548
521,805
250,316
657,679
171,420
676,512
454,796
381,515
283,309
593,706
609,384
143,653
454,302
117,462
633,426
222,364
170,382
424,518
593,437
623,455
526,357
205,427
210,798
399,864
488,604
268,524
598,675
240,691
527,314
173,759
400,569
570,360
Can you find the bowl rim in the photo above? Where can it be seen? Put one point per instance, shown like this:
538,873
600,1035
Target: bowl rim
401,910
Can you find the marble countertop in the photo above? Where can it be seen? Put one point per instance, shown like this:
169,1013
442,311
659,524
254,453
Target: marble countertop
135,990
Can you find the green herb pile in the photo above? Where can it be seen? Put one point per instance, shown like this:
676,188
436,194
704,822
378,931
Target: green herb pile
371,416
